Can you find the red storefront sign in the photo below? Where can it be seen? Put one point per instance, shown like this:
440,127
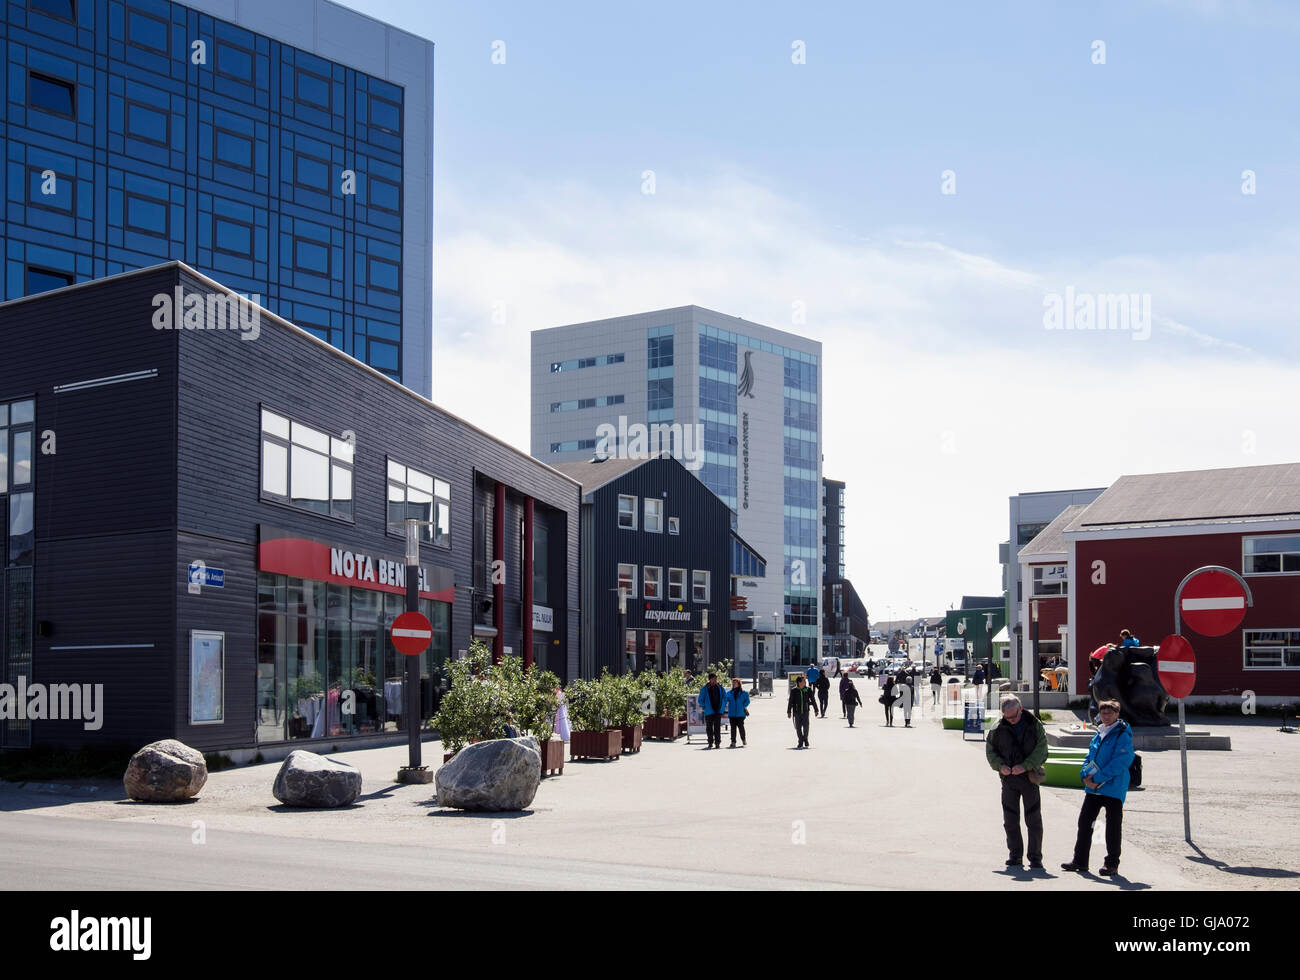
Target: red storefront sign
290,554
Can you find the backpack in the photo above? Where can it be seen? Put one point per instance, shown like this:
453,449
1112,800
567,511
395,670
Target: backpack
1135,772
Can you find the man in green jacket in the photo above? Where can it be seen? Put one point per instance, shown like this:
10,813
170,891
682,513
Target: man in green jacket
1017,745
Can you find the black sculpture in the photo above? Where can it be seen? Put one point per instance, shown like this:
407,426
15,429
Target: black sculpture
1128,675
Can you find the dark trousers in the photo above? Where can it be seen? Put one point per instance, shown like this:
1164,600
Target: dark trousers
1015,789
822,696
889,713
801,727
737,728
1093,804
713,729
849,708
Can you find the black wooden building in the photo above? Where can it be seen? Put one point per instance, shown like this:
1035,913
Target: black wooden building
652,529
201,524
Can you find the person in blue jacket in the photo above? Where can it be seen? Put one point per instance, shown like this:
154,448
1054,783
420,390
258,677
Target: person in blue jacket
712,698
1127,639
1105,782
737,707
813,674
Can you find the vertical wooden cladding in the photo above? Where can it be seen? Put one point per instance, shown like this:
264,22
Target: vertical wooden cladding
1142,575
704,542
105,500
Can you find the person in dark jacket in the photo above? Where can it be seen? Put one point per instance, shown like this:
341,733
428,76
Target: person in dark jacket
1105,774
936,682
978,680
711,699
845,683
1015,746
800,703
887,699
850,699
823,691
737,707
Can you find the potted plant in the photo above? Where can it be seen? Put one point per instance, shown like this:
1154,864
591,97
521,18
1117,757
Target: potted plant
475,708
669,705
588,711
625,696
533,704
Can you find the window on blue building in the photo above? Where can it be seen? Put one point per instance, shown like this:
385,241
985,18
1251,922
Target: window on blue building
385,115
234,237
385,195
311,172
235,150
62,187
311,256
62,9
51,94
383,275
147,215
146,123
313,89
42,280
146,31
234,61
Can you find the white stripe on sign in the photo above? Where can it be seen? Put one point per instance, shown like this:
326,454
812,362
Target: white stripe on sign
1176,667
414,634
1220,602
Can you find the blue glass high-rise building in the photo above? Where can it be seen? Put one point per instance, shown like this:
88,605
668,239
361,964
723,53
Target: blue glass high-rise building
282,148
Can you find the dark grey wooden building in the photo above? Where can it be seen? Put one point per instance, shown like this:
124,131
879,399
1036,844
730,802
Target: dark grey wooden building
653,530
198,498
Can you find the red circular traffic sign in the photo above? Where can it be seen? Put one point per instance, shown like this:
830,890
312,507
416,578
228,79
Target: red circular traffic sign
1176,666
412,633
1213,603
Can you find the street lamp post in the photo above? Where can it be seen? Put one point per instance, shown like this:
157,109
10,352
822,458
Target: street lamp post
622,628
780,647
965,654
413,663
1033,653
988,680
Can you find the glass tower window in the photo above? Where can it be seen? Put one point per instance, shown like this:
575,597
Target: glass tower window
51,94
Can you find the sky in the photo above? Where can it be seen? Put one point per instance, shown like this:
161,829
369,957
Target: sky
938,192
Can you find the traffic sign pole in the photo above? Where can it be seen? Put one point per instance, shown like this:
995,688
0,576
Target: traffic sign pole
1215,606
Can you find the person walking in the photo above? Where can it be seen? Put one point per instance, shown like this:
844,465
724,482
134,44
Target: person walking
711,699
978,681
813,674
1105,774
1016,746
851,699
936,682
846,682
800,703
823,691
737,708
887,698
903,691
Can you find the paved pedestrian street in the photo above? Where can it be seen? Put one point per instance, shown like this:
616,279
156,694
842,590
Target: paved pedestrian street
872,807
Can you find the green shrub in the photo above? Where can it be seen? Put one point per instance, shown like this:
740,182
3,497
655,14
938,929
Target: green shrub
588,708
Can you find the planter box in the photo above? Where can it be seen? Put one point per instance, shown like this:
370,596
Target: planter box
596,745
552,758
665,728
631,738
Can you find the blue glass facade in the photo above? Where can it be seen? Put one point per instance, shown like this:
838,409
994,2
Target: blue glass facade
127,143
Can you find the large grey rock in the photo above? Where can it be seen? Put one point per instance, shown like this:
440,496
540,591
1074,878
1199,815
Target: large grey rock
501,774
165,772
308,779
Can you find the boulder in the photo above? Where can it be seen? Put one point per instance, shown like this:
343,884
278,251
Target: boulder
500,774
167,771
310,780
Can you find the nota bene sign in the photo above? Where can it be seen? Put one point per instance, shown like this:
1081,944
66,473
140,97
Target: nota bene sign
322,561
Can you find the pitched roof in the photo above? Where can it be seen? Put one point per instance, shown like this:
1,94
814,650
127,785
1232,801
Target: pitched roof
1051,539
1226,496
595,473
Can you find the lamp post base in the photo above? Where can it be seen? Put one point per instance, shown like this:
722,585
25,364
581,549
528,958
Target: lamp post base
419,774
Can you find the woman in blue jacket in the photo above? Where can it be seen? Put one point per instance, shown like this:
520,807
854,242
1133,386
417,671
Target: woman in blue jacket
1105,783
736,707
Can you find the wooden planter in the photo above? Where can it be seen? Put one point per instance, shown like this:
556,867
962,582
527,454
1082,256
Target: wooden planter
631,738
665,728
596,745
552,758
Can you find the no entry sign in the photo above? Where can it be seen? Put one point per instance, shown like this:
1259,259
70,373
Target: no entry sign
412,633
1213,603
1176,666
